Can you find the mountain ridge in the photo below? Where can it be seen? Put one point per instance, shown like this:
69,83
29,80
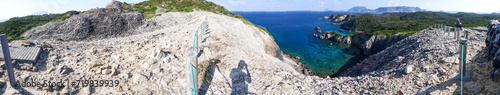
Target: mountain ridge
386,9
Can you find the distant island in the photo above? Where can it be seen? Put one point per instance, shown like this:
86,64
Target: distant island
385,9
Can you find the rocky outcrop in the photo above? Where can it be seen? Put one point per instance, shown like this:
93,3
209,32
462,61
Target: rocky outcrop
93,24
334,37
368,45
339,38
339,18
378,43
317,29
359,39
492,47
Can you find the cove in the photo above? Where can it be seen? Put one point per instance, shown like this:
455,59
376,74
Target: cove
293,30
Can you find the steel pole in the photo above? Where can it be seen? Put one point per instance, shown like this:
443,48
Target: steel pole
8,63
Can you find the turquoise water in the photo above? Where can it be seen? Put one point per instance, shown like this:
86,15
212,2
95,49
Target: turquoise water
293,32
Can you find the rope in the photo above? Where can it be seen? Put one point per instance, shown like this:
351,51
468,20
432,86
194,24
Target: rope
192,75
461,71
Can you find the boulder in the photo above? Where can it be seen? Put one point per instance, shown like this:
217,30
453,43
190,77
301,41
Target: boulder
492,46
317,29
409,69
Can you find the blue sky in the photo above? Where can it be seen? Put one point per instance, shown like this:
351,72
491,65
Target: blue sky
320,5
13,8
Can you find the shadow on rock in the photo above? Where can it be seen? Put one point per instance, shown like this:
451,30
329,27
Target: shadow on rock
239,77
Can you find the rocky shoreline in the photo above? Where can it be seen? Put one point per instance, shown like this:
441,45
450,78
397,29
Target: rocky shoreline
367,44
361,45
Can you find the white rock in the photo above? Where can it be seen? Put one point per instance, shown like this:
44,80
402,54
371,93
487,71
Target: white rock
157,70
453,60
409,69
419,75
138,78
442,71
106,71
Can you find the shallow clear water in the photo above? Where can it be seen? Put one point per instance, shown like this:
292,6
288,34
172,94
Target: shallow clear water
293,32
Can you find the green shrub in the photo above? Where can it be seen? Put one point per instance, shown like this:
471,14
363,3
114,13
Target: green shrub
334,32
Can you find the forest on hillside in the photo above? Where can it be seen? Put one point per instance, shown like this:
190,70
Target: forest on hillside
391,23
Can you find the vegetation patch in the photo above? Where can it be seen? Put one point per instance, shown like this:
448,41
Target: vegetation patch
410,23
16,26
149,7
246,21
334,33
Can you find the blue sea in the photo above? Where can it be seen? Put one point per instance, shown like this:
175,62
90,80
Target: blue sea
293,32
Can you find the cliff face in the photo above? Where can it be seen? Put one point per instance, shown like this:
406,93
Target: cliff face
380,42
368,45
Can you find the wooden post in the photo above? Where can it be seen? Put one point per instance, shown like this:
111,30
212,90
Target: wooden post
191,73
8,63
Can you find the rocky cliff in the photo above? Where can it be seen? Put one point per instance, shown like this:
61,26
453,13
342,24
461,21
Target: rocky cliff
368,45
380,42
